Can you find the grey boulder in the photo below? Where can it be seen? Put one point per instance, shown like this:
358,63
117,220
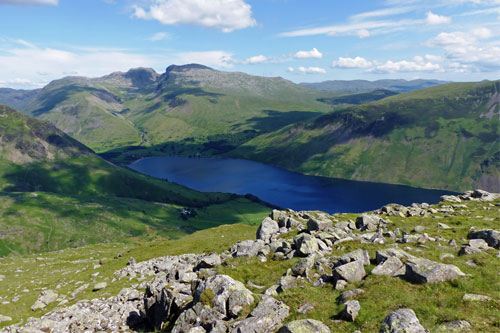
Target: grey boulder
304,326
402,321
267,228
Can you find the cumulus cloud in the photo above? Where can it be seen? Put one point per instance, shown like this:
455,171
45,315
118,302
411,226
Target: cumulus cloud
434,19
18,69
314,53
469,48
258,59
308,70
417,65
357,62
226,15
29,2
159,36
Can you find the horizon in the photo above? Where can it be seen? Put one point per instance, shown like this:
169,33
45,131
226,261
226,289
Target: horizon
448,40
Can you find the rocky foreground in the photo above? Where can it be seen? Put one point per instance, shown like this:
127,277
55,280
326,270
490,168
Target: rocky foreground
188,293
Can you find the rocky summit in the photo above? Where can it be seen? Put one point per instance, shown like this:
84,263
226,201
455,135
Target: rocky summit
395,269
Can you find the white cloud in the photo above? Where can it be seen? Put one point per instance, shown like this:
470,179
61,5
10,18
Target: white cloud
29,2
159,36
258,59
361,29
314,53
217,58
357,62
381,12
469,48
433,58
363,33
417,65
311,70
434,19
291,69
19,70
226,15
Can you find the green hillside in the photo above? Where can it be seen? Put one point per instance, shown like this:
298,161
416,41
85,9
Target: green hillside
143,108
444,137
57,193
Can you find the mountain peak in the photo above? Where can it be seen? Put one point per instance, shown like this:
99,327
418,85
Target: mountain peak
182,68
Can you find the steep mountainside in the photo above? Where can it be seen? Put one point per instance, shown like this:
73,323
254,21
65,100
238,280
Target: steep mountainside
56,193
442,137
141,107
356,86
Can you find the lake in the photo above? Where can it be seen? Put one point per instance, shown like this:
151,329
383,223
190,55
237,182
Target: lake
281,187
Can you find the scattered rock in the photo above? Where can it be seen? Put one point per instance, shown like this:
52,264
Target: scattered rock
402,321
350,311
303,326
391,267
302,267
4,318
351,294
318,225
457,326
475,298
45,298
367,222
267,228
266,317
492,237
306,245
226,295
287,282
305,308
421,270
351,272
100,286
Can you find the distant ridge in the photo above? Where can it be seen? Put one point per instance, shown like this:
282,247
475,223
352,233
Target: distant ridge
357,86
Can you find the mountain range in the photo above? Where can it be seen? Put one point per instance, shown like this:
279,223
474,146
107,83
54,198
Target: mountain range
357,86
444,136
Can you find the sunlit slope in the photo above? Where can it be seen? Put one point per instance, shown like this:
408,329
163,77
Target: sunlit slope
56,193
441,137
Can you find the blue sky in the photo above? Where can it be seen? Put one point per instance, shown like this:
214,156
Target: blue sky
315,40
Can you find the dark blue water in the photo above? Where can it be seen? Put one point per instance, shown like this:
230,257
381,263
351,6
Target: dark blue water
281,187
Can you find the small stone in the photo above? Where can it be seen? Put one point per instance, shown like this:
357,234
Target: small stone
100,286
305,308
131,261
419,228
4,318
351,310
340,284
457,326
303,326
351,294
475,298
445,256
443,226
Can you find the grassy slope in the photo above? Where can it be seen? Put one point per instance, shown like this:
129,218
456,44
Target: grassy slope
432,137
83,199
433,303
